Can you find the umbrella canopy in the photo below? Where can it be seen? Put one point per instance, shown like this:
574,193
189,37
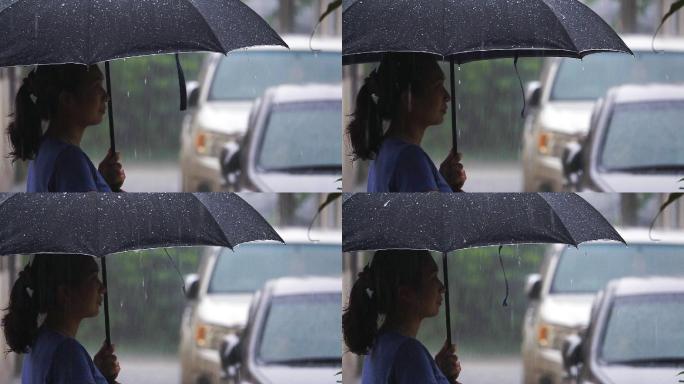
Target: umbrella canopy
449,221
468,30
100,224
88,32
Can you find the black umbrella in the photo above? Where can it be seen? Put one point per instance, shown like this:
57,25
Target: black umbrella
99,224
446,222
88,32
467,30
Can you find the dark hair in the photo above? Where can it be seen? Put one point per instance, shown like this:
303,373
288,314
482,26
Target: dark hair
35,292
375,293
38,100
379,98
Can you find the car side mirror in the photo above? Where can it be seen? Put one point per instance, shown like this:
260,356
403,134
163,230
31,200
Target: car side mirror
193,89
230,353
191,283
572,355
572,162
230,158
533,94
533,285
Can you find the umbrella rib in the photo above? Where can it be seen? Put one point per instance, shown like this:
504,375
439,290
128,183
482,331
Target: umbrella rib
211,28
216,224
567,232
562,26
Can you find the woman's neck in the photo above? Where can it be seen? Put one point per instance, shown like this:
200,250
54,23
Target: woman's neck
60,322
65,131
406,130
404,324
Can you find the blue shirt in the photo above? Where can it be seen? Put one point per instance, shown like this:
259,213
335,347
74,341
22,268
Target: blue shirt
404,167
58,359
63,167
397,359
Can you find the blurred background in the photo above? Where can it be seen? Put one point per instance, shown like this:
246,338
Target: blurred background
504,152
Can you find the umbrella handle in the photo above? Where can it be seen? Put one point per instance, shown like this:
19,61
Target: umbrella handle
110,110
445,270
108,338
452,79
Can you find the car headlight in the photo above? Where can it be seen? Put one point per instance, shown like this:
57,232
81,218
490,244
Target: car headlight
553,143
209,143
552,336
211,336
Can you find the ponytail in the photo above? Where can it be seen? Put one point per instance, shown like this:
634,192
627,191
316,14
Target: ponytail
365,130
376,291
20,324
26,129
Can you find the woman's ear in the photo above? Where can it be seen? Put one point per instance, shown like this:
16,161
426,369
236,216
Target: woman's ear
62,296
406,295
65,99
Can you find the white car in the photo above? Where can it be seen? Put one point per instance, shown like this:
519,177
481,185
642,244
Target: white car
293,334
561,295
293,143
220,293
228,84
561,103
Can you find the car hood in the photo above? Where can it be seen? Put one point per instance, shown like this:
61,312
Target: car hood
225,310
303,375
225,117
639,182
567,117
630,374
570,311
297,182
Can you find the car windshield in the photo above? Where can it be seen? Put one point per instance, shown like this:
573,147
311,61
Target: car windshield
245,75
650,130
300,330
645,329
248,267
591,77
589,267
299,138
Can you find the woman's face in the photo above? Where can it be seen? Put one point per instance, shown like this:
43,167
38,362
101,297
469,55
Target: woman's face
85,299
430,105
429,297
89,104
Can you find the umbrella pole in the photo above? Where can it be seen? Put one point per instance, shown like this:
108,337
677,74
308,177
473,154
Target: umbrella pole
103,263
452,79
445,270
110,110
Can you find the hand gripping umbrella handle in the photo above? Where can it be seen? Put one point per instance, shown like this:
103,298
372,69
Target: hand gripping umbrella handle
108,338
445,270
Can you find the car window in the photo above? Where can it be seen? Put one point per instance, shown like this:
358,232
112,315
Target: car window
301,136
591,77
248,267
643,136
297,330
245,75
589,267
643,329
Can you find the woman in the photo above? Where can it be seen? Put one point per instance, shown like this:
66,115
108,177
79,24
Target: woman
407,91
403,287
69,97
51,297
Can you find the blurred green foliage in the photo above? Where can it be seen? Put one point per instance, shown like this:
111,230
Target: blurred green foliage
146,103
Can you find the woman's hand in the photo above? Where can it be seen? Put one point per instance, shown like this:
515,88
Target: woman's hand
448,362
453,172
112,171
105,360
